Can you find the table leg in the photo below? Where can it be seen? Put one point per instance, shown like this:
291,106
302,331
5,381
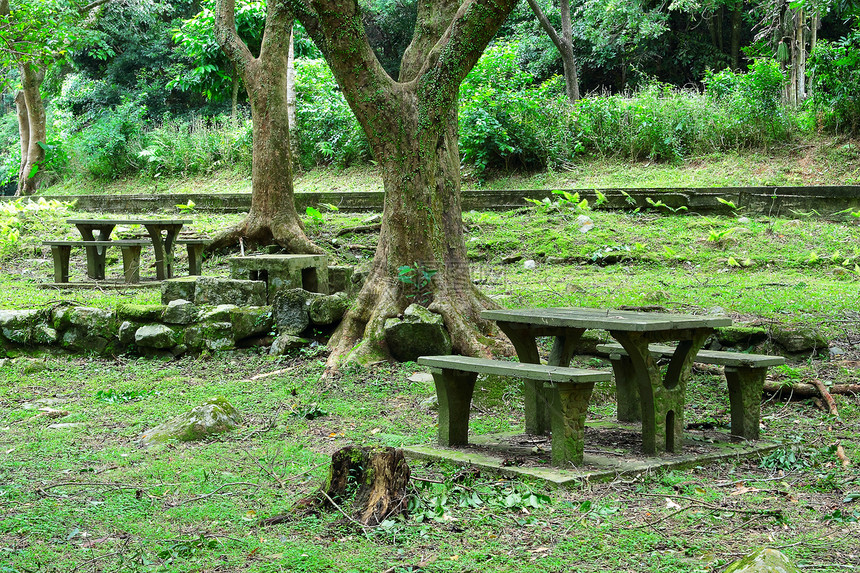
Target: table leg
662,398
163,247
95,255
628,407
745,388
61,254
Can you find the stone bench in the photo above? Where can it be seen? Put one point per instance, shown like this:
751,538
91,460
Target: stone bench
745,374
96,251
569,391
195,248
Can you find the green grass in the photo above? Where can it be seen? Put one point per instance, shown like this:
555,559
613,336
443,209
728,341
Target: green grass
90,498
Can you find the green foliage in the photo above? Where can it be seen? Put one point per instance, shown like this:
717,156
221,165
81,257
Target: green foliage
326,129
417,278
211,73
25,221
753,114
834,87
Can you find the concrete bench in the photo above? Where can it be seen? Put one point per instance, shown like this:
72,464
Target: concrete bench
569,392
195,248
745,374
96,251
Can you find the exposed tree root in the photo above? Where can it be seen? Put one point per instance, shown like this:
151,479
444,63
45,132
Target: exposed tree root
801,390
255,232
360,337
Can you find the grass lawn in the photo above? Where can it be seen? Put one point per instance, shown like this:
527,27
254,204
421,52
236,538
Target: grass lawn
87,497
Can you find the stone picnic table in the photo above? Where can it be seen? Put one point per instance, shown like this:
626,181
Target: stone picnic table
162,234
662,397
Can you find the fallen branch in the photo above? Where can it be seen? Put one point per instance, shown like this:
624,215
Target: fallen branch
827,397
359,229
802,390
772,512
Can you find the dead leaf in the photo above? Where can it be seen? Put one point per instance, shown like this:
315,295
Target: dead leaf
742,489
671,504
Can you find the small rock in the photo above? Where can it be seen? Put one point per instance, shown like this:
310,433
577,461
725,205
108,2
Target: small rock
286,342
421,377
556,260
67,426
375,218
431,403
52,413
530,265
835,351
510,259
42,403
585,223
764,560
743,220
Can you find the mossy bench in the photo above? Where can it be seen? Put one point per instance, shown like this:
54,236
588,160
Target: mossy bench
745,374
96,252
569,393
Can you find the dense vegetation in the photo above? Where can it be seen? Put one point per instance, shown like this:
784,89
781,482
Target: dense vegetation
146,92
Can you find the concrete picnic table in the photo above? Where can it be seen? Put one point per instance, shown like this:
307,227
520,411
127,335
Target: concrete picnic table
162,233
662,398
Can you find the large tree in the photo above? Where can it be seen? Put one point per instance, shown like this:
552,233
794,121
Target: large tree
273,216
411,123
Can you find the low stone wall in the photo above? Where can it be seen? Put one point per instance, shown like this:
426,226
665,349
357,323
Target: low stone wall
775,201
196,315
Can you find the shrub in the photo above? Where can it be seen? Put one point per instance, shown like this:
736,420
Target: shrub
752,113
835,84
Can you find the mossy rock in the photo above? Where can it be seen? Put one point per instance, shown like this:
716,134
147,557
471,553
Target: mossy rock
740,335
215,416
763,561
139,312
800,338
250,320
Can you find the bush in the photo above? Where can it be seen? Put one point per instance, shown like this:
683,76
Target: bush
107,147
752,113
834,86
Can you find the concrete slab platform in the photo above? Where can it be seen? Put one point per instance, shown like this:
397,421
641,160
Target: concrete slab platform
612,449
104,285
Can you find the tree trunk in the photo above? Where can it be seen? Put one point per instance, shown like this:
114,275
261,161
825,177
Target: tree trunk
411,124
234,101
291,101
801,55
31,109
564,44
422,229
737,19
272,217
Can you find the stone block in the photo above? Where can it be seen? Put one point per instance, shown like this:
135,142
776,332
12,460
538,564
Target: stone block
419,333
340,279
178,288
180,311
95,321
157,336
291,310
248,321
327,310
283,272
139,312
209,290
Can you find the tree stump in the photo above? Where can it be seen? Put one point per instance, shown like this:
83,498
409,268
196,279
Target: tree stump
371,481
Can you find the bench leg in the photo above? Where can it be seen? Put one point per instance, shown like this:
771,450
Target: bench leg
745,389
454,390
131,263
629,407
61,254
195,259
568,406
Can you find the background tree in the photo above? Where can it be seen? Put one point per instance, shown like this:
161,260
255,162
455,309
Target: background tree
563,42
411,124
33,36
273,216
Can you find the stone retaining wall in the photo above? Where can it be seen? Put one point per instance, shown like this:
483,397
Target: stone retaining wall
776,201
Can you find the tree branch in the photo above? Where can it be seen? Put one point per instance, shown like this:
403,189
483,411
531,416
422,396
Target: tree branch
276,35
546,24
228,38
